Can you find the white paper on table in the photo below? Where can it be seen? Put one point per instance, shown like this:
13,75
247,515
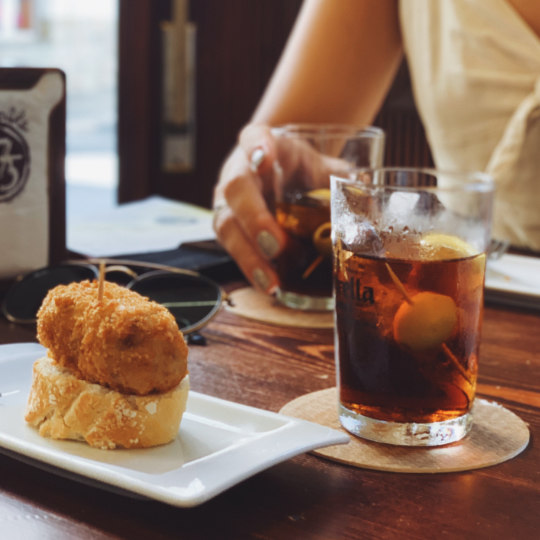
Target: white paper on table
514,280
151,225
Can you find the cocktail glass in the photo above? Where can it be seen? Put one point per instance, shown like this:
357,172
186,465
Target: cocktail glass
409,260
307,155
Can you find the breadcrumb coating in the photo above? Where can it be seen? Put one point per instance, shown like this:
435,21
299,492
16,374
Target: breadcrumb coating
123,341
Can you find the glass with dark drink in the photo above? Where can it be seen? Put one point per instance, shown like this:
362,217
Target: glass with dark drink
307,155
409,261
305,266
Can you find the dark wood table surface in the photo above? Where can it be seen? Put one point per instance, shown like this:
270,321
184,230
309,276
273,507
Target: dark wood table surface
307,496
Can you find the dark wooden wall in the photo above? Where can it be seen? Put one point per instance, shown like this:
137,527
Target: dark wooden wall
139,96
237,46
239,42
406,143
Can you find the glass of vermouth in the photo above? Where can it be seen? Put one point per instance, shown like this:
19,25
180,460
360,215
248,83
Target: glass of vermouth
409,253
307,155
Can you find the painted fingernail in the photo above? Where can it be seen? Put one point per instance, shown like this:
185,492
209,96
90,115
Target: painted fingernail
268,244
261,279
257,157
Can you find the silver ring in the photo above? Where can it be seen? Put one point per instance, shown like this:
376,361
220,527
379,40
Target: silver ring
218,207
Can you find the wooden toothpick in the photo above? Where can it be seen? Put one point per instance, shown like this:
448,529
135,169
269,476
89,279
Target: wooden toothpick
449,354
101,280
309,270
398,284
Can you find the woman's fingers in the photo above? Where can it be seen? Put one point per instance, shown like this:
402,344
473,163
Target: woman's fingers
244,197
243,224
254,266
258,144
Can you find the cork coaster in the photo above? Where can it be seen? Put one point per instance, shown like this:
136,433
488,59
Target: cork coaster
252,304
497,435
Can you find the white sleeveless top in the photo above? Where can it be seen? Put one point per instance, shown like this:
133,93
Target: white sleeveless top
475,71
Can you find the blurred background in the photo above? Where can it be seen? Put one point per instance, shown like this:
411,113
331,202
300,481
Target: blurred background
80,38
157,90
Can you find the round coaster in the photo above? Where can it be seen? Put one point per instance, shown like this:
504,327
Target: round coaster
497,435
253,304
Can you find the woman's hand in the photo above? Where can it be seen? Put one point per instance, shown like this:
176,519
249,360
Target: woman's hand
337,66
257,172
243,222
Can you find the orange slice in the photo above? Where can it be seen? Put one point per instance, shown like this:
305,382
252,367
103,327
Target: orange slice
439,246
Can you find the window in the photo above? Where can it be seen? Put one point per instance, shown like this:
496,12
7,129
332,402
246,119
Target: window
81,39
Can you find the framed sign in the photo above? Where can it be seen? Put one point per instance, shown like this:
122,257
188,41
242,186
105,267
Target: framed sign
32,169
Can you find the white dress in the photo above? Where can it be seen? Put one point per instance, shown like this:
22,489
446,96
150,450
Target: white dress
475,71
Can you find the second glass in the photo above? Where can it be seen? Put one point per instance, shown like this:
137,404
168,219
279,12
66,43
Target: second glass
410,251
307,156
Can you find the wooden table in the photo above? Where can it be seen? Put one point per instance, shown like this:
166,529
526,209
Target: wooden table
306,497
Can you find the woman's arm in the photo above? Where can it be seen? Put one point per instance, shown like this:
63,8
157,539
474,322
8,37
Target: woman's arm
338,64
529,11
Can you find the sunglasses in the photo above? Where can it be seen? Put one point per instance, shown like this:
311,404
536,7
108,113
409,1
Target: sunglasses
193,299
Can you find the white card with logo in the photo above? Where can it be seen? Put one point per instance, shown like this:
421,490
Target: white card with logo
25,170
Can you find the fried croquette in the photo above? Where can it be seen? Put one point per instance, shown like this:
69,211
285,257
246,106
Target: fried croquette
123,341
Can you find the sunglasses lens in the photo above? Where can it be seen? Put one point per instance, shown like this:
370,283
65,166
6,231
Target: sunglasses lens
119,276
192,299
24,298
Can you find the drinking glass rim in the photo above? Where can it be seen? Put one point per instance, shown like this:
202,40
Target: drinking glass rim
322,130
472,180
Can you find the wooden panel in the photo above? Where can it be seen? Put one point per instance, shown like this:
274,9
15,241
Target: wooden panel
238,43
139,74
406,143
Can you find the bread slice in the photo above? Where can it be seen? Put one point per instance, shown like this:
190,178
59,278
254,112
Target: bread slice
62,406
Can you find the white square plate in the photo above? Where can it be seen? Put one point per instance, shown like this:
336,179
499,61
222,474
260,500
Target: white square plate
219,443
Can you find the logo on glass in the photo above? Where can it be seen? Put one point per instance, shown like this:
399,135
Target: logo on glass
355,291
14,156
